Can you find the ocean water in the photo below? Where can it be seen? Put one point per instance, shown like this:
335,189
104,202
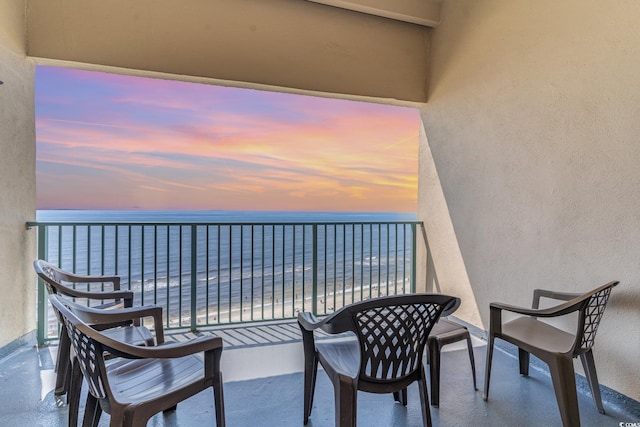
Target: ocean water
213,267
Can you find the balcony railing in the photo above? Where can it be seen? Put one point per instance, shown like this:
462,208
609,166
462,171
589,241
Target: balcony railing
205,274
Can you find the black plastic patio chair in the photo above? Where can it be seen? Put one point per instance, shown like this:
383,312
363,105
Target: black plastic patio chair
386,356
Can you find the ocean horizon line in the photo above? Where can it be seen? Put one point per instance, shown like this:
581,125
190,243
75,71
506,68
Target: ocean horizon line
108,215
223,210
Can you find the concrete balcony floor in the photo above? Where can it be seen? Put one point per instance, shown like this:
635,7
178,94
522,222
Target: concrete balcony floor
263,387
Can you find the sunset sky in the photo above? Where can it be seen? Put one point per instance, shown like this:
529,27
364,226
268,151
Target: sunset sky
108,141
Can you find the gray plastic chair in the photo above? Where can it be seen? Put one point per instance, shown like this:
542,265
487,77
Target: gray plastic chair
127,334
60,282
142,381
554,346
386,357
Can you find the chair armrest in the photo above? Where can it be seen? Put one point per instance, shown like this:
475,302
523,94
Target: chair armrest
451,307
335,323
164,351
96,316
496,309
75,278
309,321
125,295
558,310
562,296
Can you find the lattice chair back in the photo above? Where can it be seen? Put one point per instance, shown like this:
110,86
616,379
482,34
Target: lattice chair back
393,337
89,353
91,290
49,274
48,271
56,280
590,317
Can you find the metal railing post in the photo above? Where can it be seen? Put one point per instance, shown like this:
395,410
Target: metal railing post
194,277
314,271
42,298
413,258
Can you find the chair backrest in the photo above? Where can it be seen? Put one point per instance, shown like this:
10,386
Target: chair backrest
51,275
89,352
590,316
393,332
58,281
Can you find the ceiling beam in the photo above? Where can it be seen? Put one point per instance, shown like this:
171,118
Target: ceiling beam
300,45
421,12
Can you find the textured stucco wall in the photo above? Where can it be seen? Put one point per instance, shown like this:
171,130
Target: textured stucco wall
530,160
17,177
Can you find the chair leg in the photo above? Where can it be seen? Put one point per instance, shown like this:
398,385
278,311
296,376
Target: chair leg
434,371
218,398
92,412
345,402
172,409
564,384
401,396
310,374
589,366
310,371
129,417
523,359
424,398
487,371
63,363
472,360
73,396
